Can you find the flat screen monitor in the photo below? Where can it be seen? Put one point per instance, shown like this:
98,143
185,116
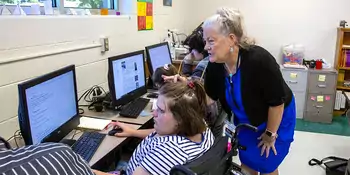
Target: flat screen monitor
48,107
127,77
157,56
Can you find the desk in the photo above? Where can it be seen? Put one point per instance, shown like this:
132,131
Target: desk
114,115
108,144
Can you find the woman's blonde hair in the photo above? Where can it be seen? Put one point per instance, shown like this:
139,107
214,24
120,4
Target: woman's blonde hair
230,21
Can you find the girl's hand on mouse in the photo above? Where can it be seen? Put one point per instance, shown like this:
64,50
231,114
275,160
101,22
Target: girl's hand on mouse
127,130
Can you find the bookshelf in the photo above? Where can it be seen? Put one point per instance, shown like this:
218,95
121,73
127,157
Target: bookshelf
342,62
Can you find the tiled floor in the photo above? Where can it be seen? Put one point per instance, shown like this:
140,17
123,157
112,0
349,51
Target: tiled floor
313,145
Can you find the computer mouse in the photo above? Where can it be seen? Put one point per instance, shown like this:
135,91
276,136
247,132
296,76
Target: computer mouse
152,95
114,131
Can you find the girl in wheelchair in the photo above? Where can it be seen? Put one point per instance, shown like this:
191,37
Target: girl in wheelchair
180,133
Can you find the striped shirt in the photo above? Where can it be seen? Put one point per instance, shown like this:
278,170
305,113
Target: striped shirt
46,158
158,154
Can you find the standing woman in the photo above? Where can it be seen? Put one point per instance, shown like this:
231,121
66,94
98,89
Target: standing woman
248,80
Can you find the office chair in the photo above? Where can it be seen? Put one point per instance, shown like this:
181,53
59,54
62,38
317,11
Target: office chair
217,160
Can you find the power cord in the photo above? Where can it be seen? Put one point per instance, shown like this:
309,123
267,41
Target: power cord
89,95
75,133
16,135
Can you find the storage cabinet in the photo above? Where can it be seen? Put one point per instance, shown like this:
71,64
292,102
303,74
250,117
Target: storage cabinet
320,95
296,79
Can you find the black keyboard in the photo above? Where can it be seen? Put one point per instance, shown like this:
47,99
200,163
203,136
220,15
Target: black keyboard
87,144
134,108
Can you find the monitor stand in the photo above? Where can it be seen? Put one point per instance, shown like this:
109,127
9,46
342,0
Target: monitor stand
69,142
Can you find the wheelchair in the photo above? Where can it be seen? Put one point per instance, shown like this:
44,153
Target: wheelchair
217,160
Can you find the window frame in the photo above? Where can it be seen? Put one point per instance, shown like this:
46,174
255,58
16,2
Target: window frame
56,4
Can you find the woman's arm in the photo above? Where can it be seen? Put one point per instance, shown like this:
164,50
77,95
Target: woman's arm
131,132
142,133
274,118
187,65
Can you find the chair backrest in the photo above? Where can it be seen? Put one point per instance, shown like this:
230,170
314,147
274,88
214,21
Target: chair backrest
212,162
218,125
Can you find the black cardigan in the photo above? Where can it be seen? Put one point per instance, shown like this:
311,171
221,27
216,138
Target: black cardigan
261,80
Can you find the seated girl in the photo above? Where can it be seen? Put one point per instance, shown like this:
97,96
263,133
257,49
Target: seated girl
180,134
213,108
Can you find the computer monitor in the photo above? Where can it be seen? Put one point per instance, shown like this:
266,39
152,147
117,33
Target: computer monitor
126,77
157,56
48,107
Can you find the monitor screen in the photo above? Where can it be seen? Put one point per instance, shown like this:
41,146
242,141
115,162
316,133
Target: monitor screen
129,74
159,55
50,104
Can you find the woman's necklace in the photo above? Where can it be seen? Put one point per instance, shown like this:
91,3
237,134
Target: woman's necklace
229,71
234,70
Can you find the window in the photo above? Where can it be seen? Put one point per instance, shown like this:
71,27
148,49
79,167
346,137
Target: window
90,4
22,2
83,4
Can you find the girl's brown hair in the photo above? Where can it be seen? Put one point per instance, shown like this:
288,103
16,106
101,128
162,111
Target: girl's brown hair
167,70
187,103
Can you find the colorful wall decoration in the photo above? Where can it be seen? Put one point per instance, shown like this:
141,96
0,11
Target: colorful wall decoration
145,14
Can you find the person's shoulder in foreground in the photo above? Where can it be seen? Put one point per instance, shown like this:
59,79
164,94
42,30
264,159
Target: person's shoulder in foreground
157,155
46,158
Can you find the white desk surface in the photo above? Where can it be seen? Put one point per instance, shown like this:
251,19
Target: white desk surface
108,144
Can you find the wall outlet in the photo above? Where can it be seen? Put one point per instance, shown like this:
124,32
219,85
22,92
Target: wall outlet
105,44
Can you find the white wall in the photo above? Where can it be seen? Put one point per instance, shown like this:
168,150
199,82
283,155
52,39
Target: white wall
274,23
21,36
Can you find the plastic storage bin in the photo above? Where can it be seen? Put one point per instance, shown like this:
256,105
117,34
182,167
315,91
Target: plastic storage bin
293,54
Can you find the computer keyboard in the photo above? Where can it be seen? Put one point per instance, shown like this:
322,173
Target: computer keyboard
87,144
134,108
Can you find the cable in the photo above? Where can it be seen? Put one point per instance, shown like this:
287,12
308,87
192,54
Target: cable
81,110
89,94
75,133
16,135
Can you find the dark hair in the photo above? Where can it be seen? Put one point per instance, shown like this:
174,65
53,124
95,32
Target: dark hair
157,75
188,105
195,41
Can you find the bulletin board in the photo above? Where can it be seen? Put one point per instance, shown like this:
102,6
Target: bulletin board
145,15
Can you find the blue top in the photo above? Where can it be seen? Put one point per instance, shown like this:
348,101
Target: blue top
234,100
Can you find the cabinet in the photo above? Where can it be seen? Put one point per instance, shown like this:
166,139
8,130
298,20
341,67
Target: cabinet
320,95
296,79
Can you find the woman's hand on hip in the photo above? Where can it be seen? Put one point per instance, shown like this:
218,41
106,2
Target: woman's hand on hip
267,143
174,78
